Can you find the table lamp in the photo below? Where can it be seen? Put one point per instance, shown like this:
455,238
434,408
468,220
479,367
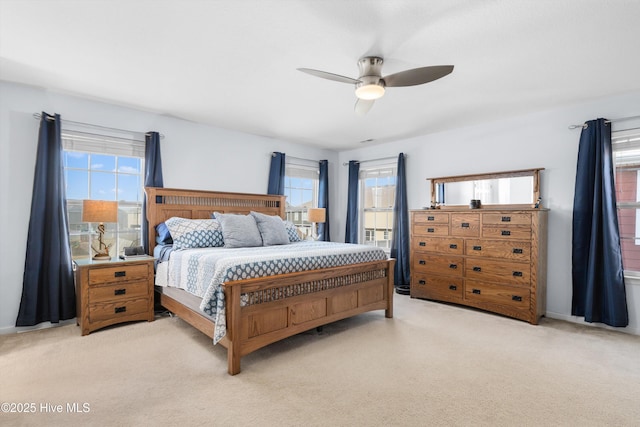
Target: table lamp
100,211
316,216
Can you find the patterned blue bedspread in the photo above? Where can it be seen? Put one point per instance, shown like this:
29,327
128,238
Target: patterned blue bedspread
202,271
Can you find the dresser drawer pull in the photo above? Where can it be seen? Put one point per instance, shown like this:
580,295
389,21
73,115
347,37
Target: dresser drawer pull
120,309
506,233
453,287
120,292
477,268
517,274
516,298
430,230
453,266
506,219
464,225
422,282
477,248
453,246
422,244
431,218
422,262
476,291
517,250
120,274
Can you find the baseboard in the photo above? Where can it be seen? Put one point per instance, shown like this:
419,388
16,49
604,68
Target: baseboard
580,321
43,325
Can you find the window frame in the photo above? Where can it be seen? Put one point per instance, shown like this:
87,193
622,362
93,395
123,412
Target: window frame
298,215
365,232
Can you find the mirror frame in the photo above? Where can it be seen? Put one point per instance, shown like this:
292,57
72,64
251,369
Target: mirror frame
535,173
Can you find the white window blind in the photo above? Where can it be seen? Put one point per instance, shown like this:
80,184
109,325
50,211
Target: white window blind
73,140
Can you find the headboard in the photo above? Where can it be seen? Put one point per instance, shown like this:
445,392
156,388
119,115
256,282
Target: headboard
164,203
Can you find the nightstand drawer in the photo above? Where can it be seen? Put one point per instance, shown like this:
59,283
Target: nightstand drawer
118,291
123,273
115,309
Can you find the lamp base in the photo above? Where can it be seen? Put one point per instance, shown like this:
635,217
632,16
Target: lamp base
102,257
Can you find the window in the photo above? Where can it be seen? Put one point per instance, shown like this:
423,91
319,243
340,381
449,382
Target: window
301,188
626,152
103,168
377,197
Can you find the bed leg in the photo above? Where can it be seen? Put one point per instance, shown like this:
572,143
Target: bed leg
388,313
233,361
233,329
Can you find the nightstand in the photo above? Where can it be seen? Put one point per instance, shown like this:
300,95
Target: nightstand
115,291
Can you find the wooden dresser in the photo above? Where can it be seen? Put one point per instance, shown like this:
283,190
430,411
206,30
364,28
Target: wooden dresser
490,259
111,292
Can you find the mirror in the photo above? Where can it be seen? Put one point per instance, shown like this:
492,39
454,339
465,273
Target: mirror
513,188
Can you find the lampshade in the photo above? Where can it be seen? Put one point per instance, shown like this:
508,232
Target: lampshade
99,211
370,91
317,214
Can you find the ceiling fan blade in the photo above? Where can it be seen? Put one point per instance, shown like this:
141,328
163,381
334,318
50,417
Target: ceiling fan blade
329,76
417,76
363,106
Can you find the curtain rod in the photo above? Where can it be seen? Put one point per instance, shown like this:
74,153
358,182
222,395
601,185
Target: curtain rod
39,116
584,125
374,160
297,158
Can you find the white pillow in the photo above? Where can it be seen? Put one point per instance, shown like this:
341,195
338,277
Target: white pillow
239,231
271,229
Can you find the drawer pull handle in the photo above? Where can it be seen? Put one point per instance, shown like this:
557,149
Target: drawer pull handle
430,230
453,266
120,292
453,246
516,298
517,274
476,291
120,310
430,218
422,244
120,274
422,262
453,287
517,250
422,282
506,233
465,225
506,219
477,248
477,268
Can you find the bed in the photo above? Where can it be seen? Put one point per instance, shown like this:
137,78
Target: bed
263,310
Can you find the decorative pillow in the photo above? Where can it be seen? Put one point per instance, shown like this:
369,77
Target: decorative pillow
164,236
239,231
271,229
195,233
292,231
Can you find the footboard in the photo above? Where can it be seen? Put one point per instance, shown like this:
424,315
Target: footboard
262,311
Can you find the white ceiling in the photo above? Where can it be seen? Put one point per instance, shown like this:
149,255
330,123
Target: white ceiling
232,63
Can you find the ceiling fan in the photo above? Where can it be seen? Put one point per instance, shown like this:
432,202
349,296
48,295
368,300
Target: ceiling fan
370,84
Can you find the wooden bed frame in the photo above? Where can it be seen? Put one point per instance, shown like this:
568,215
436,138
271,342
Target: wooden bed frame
283,305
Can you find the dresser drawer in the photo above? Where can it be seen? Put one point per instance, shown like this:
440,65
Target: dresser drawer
431,229
118,291
467,225
507,296
506,218
453,246
438,264
436,287
511,273
116,309
508,250
430,217
495,232
123,273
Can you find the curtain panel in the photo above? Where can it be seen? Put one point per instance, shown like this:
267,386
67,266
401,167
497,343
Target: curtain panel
351,234
48,293
276,174
323,200
400,231
152,178
598,279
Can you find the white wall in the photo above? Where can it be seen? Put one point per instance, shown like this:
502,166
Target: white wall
194,156
536,140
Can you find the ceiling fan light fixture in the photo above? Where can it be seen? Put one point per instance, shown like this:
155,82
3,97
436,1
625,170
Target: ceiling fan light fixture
370,92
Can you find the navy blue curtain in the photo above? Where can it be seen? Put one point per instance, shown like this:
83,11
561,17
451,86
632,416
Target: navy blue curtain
276,174
48,293
323,200
598,280
152,178
351,234
400,233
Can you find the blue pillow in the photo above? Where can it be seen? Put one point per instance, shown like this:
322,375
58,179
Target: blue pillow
292,232
164,236
195,233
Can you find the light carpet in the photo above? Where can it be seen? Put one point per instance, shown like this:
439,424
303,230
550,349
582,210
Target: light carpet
431,365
